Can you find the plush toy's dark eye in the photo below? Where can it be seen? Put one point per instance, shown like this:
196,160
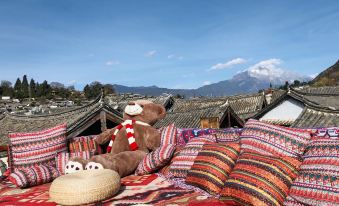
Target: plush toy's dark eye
142,106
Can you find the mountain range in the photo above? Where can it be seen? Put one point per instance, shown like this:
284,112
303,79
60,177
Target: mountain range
249,81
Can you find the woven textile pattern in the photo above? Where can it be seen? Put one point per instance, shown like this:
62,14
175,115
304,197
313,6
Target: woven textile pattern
169,135
36,148
155,160
63,157
33,176
212,166
162,155
185,134
84,143
182,163
317,183
228,135
260,180
269,139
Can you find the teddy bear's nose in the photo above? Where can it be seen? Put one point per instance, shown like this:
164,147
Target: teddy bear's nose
131,103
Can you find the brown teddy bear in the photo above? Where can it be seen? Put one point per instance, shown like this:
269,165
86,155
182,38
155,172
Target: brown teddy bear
129,142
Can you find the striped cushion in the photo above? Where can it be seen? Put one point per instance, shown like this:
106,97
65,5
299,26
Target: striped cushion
162,155
63,157
228,135
33,176
84,143
36,148
169,135
269,139
212,166
155,160
317,183
260,180
166,169
182,163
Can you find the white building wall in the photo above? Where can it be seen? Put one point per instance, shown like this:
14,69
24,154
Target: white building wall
289,109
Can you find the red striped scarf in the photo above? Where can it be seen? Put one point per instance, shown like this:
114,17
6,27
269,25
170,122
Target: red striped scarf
130,134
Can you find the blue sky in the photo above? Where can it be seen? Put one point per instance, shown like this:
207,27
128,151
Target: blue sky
174,44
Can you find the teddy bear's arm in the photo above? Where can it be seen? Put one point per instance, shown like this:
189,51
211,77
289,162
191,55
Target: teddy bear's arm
105,136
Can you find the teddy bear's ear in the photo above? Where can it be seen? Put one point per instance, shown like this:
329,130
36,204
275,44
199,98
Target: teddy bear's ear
162,111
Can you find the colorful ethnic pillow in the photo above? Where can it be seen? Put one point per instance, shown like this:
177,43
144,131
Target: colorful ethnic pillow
228,135
183,162
84,143
63,157
36,148
212,166
169,135
185,134
317,182
35,175
258,179
162,155
269,139
155,160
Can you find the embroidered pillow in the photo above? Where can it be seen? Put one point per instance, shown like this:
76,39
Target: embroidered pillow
36,148
155,160
269,139
63,157
212,166
169,135
228,135
166,169
182,163
317,182
162,155
257,179
84,143
185,134
35,175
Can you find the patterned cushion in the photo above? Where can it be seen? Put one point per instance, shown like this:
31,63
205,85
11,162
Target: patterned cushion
228,135
36,148
166,169
35,175
63,157
260,180
84,143
212,166
169,135
162,155
269,139
185,134
155,160
182,163
317,183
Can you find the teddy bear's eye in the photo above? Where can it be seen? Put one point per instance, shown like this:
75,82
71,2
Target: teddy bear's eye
142,106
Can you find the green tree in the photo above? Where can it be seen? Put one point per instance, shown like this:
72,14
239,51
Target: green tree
24,87
17,89
32,88
7,89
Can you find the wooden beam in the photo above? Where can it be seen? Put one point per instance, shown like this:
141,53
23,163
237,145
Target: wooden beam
103,121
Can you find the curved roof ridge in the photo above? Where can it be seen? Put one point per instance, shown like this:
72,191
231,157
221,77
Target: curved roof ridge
95,101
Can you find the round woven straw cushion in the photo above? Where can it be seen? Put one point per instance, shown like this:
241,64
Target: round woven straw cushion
87,186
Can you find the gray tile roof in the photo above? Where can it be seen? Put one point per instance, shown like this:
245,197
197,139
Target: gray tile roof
74,118
314,118
188,113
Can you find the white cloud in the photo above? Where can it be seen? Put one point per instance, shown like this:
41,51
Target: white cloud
206,83
112,62
228,64
271,70
173,56
150,53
